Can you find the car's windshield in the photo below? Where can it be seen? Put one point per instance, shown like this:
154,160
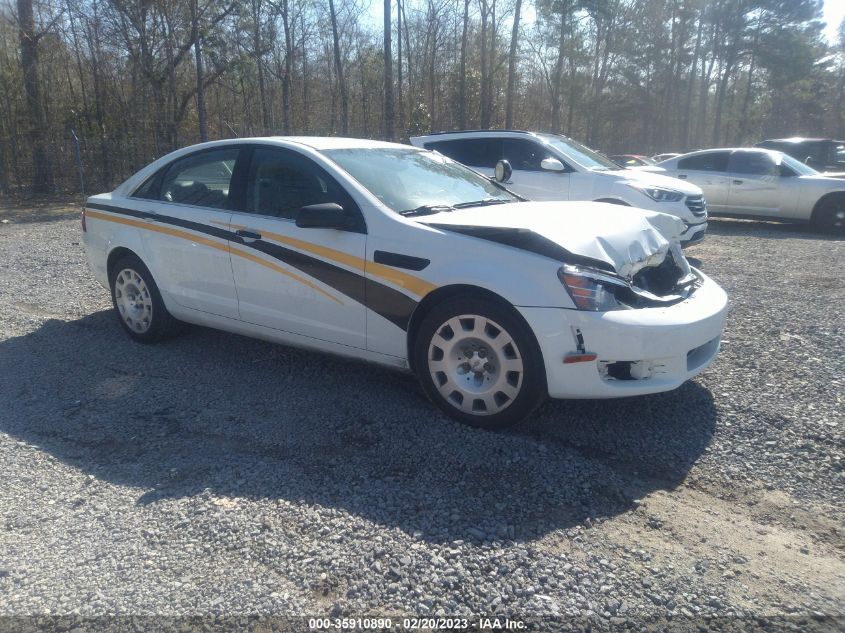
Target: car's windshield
579,153
802,169
410,179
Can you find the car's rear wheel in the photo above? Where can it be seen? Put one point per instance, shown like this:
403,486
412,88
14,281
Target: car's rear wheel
137,302
830,216
479,362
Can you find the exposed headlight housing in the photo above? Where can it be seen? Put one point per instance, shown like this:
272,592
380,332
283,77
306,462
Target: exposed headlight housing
589,289
658,194
599,291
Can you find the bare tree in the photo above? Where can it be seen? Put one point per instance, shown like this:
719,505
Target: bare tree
512,66
42,178
389,110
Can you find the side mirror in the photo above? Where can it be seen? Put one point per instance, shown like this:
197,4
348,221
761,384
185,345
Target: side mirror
551,164
503,171
328,215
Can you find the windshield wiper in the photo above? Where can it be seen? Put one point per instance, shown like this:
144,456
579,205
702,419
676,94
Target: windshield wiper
480,203
427,209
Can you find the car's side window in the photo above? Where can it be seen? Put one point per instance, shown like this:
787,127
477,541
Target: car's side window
280,182
524,155
475,152
711,161
753,164
149,190
201,179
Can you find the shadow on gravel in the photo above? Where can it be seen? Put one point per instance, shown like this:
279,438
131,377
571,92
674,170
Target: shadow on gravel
217,414
768,230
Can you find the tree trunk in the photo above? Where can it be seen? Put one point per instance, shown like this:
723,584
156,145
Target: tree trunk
558,73
195,36
401,105
512,67
338,63
42,180
462,80
485,69
286,114
389,110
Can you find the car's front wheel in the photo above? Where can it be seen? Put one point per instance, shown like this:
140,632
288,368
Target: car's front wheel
138,303
479,362
830,216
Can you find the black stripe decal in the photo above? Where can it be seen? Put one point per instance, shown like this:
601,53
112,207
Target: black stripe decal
397,260
391,304
526,240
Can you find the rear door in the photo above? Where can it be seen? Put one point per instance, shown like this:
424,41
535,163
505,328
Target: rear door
186,245
305,281
708,170
755,187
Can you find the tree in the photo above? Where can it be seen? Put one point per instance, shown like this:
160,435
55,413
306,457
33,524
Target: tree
338,64
389,111
42,177
512,66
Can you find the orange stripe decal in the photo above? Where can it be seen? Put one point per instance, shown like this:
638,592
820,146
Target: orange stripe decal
403,280
211,244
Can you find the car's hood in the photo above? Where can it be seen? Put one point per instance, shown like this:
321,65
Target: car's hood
609,236
647,176
839,175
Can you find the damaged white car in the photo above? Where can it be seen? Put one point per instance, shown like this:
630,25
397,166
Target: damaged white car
406,258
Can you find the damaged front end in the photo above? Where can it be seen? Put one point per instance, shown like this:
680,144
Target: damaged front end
660,280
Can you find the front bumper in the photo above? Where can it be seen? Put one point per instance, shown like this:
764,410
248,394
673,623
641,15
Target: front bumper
693,234
655,349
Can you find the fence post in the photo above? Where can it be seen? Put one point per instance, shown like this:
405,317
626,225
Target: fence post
78,159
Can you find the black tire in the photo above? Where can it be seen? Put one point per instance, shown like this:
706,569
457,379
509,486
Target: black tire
155,326
512,399
830,216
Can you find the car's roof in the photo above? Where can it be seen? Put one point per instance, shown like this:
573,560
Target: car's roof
314,142
330,142
487,131
801,139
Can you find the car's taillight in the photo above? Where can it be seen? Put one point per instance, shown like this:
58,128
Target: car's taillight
84,228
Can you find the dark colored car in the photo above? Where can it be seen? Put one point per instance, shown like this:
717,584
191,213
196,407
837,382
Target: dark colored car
822,154
631,160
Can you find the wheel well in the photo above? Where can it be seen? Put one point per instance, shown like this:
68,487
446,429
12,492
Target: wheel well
613,201
443,294
822,200
114,256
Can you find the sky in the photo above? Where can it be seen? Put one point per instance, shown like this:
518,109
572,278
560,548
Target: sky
834,12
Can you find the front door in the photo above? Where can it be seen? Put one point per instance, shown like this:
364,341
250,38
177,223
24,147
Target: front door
306,281
529,179
755,184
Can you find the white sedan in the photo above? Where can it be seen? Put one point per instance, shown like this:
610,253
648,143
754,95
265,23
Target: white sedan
406,258
765,184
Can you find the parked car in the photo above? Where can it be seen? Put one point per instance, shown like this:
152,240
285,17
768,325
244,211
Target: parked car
822,154
403,257
661,157
631,160
764,184
554,167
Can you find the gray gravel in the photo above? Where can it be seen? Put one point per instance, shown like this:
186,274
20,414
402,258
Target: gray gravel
215,474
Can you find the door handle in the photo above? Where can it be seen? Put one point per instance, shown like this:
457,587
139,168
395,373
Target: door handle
738,182
682,176
248,235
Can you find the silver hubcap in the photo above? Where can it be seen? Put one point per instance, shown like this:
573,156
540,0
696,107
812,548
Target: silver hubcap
475,364
133,300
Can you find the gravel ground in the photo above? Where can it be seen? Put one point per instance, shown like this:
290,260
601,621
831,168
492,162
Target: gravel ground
219,475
